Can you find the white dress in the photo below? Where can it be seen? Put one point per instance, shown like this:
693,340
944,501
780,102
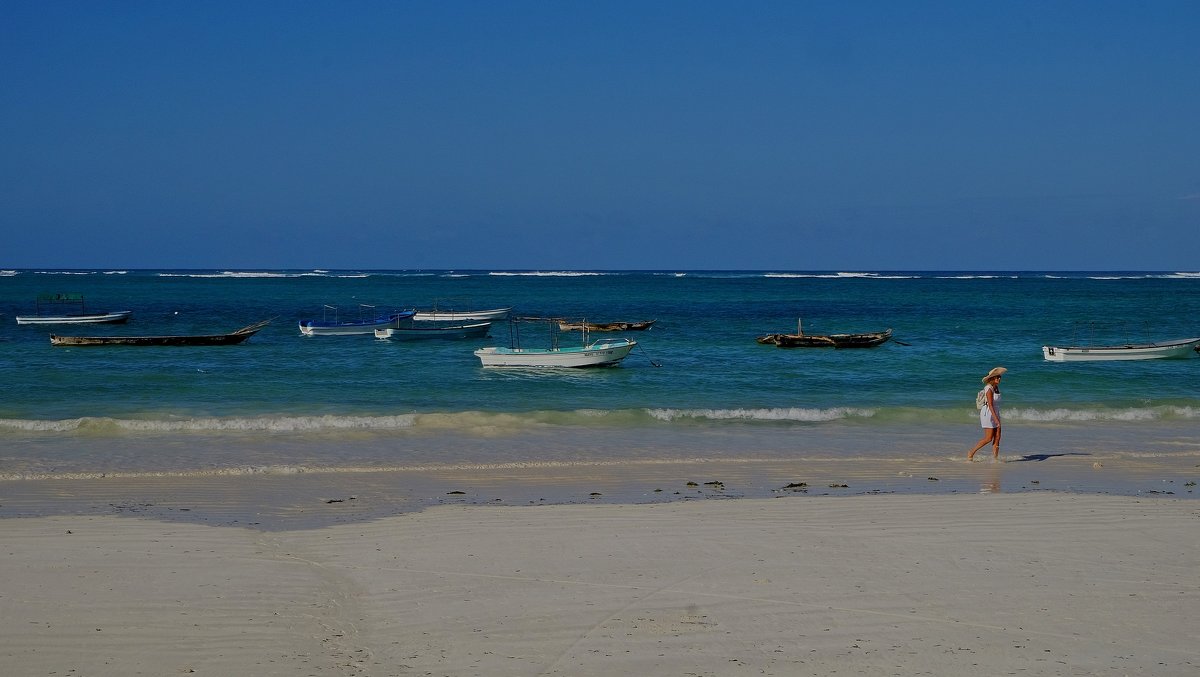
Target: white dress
985,414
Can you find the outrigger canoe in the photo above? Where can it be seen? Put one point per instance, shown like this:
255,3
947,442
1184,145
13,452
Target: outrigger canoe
863,340
605,326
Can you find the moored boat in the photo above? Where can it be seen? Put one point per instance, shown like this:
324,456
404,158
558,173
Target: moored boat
864,340
48,311
416,333
232,338
802,340
448,315
564,325
1180,348
367,322
605,352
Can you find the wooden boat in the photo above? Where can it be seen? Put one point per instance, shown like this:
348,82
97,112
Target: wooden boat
415,333
605,352
1130,351
363,325
232,338
605,326
47,312
438,314
865,340
802,340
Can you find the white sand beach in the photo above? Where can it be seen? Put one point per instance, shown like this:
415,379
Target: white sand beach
1026,584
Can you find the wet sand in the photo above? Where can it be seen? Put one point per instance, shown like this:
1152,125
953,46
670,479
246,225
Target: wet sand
282,501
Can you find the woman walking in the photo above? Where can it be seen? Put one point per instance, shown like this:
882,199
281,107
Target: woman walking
989,414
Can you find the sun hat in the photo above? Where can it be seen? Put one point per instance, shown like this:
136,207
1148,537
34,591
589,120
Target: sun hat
996,371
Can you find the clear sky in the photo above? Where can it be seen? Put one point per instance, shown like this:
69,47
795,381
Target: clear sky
795,135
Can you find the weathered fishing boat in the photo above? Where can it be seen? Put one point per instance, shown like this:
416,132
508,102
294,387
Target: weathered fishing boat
802,340
366,323
604,352
416,333
49,311
564,325
232,338
1131,351
865,340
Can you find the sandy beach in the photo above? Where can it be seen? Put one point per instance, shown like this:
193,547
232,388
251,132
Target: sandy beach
1036,583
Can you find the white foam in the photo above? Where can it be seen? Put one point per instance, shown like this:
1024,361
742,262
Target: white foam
777,414
1128,415
545,273
216,424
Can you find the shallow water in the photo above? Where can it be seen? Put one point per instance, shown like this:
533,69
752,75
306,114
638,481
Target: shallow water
283,403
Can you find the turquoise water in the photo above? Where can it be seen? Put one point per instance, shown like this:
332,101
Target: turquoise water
698,386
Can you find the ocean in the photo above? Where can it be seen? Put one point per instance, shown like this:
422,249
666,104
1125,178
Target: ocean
698,387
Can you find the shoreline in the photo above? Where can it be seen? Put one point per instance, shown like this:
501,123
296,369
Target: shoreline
70,456
1033,583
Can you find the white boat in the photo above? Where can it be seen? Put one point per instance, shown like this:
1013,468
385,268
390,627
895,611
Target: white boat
363,325
436,315
1130,351
604,352
48,306
84,318
457,331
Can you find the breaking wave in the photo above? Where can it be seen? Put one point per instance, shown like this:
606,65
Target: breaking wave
283,424
1126,415
485,424
779,414
546,273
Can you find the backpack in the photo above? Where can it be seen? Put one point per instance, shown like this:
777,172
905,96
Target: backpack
981,398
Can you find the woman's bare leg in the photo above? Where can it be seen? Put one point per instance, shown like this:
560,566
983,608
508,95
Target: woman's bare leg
988,435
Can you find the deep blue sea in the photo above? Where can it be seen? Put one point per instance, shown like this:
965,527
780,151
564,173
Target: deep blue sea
698,386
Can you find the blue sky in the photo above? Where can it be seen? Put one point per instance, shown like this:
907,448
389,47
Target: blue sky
601,135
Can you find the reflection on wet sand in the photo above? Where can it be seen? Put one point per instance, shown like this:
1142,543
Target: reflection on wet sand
991,482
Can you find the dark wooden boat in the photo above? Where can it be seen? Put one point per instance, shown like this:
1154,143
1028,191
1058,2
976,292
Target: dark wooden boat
863,340
563,325
232,338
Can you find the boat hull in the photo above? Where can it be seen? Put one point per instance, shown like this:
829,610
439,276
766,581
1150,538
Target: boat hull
598,354
323,328
606,326
463,316
85,318
462,331
213,340
867,340
232,338
1141,351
